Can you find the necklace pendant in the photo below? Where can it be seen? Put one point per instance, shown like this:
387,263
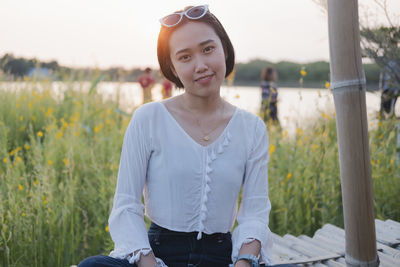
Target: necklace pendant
206,138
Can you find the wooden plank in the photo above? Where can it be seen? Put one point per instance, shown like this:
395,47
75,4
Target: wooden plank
284,253
331,242
327,246
330,235
284,243
333,228
386,260
313,260
332,263
311,248
393,223
395,253
389,229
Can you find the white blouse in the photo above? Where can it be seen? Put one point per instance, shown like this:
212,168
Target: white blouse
189,187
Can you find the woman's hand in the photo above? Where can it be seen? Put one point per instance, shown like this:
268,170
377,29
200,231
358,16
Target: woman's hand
242,263
148,260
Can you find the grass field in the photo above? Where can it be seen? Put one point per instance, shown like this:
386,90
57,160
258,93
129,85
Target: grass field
59,163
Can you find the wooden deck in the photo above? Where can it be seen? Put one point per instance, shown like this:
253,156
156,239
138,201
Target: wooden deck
327,247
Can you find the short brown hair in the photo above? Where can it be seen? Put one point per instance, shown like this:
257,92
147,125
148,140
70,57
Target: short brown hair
163,51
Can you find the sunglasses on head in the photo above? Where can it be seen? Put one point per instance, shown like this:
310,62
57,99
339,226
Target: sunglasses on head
195,12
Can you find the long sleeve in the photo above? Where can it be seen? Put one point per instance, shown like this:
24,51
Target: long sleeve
126,221
253,215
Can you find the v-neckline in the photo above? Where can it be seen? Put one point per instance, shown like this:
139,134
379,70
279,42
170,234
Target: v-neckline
191,138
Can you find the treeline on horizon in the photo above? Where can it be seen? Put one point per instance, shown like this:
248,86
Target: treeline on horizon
246,74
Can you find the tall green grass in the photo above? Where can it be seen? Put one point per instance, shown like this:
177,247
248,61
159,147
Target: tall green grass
59,163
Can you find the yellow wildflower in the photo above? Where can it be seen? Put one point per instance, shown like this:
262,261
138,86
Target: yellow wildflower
391,161
49,162
237,96
40,134
314,147
284,134
324,134
5,160
288,176
107,229
23,214
48,113
108,111
36,181
76,133
325,116
378,161
21,118
299,142
96,129
66,162
380,124
18,149
44,199
27,147
12,152
327,85
303,72
271,149
34,118
22,128
108,122
19,159
372,162
20,187
59,135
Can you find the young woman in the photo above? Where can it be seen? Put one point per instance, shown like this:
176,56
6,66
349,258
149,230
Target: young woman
191,154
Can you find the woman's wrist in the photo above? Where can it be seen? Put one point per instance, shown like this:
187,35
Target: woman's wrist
148,260
243,263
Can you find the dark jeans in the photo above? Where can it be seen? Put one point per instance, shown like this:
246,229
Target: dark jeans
178,249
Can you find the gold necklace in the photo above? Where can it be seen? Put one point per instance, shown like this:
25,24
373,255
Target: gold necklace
206,137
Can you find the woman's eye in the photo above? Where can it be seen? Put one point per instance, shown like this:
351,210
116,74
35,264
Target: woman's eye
208,49
184,57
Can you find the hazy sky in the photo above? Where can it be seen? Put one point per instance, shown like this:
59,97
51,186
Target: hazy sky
124,32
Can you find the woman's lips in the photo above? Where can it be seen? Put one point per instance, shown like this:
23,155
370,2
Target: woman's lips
205,80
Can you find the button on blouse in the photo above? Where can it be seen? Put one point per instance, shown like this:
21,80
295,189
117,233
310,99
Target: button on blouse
189,187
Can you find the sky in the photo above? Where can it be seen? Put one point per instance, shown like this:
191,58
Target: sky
100,33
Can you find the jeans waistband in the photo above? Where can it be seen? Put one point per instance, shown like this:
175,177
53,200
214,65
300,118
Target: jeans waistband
162,230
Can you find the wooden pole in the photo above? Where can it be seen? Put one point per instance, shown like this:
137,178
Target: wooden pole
348,88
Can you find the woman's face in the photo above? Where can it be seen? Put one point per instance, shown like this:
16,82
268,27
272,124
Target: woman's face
196,51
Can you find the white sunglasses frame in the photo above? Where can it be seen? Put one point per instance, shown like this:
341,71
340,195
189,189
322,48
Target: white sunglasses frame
184,13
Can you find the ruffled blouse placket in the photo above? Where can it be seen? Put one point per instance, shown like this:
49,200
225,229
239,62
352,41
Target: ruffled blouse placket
211,155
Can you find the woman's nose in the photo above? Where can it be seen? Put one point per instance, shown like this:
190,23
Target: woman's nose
201,65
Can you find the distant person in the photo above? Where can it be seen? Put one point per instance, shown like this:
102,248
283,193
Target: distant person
269,94
166,88
389,84
147,82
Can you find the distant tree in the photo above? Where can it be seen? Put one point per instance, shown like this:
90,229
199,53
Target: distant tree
382,45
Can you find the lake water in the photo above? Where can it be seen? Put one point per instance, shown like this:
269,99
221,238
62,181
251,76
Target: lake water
296,106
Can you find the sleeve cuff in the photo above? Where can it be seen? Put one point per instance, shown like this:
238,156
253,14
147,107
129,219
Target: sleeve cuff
246,233
121,254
